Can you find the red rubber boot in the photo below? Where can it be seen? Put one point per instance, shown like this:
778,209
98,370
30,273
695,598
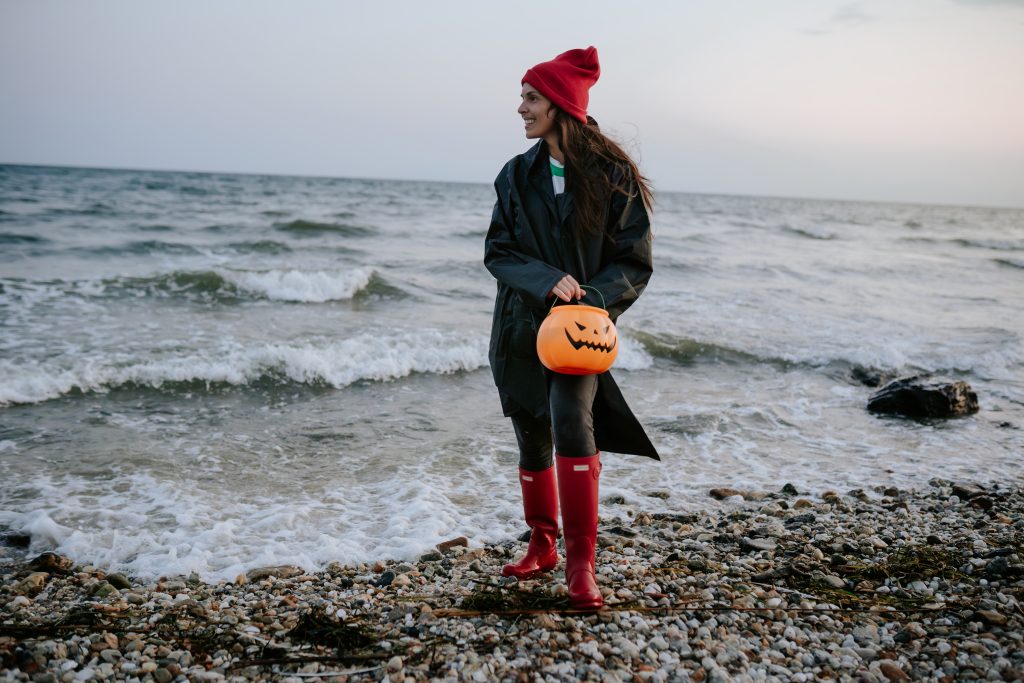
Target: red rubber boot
540,505
577,492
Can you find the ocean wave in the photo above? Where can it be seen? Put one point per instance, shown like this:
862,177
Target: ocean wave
94,209
194,190
335,363
199,282
218,285
143,247
1010,263
989,354
260,247
632,355
998,245
303,227
815,234
316,286
471,233
993,244
685,351
14,238
300,286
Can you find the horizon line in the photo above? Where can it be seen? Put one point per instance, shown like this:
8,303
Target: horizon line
472,182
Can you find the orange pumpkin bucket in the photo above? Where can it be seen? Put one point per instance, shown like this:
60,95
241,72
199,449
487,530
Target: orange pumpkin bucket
577,340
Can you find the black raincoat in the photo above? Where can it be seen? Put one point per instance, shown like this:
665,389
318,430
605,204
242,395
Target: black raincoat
530,246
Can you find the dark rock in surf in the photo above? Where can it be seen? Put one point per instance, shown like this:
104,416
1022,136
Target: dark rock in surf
15,540
911,397
869,377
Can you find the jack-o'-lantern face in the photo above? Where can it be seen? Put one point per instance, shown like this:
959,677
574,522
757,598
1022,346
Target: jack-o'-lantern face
577,340
599,340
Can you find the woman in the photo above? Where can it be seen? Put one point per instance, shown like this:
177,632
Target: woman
571,212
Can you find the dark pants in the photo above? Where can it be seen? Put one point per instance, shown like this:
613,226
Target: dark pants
571,405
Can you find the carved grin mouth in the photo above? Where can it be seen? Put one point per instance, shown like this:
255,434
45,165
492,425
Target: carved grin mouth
605,348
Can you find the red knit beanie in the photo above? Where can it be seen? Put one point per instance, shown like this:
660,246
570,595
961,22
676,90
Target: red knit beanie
566,80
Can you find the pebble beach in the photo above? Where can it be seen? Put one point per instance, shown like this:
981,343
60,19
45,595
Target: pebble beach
878,584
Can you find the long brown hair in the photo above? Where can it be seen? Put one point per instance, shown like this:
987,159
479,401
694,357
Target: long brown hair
590,155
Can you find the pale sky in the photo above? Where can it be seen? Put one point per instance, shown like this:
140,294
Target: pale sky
890,100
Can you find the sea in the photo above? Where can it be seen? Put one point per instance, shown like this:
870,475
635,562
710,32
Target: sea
211,372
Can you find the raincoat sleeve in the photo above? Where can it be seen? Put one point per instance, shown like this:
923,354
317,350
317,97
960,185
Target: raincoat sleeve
625,275
504,258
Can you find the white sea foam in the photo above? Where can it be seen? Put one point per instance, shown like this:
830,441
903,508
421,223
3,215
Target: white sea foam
632,355
312,286
361,508
149,527
335,362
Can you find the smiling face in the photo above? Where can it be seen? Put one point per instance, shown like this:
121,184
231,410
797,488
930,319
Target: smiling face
537,111
596,338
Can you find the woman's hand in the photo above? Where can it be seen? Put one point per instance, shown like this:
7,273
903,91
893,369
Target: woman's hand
567,289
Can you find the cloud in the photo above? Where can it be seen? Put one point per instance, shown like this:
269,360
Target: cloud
980,3
851,15
847,16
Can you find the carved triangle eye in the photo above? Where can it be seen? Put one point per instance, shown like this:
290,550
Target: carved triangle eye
606,328
582,327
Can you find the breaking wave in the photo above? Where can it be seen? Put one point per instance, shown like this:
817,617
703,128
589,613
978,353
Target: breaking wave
219,285
301,227
997,358
15,238
326,362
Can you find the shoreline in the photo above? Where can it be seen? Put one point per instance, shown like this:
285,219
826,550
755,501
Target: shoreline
863,586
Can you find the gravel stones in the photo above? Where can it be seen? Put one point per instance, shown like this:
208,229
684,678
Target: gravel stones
869,587
119,581
385,579
32,584
281,572
51,563
892,671
757,544
445,546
